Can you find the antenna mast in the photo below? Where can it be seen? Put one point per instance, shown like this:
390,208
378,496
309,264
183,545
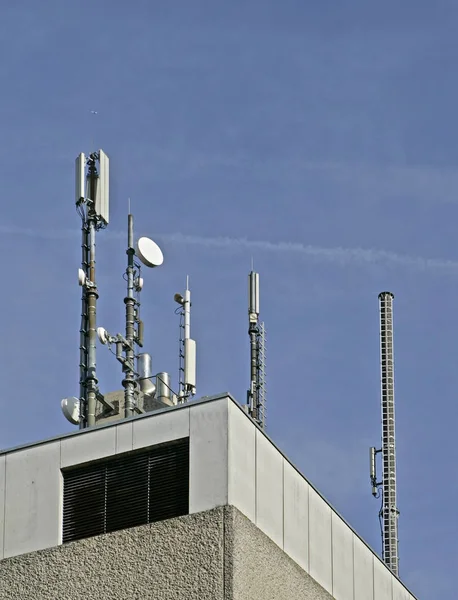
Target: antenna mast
92,203
129,382
134,382
388,513
187,363
256,395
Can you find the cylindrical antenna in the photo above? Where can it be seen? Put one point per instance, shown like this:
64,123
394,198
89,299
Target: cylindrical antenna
129,369
253,294
163,391
145,374
390,512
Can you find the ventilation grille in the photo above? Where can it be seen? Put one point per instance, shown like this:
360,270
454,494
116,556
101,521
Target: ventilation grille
130,490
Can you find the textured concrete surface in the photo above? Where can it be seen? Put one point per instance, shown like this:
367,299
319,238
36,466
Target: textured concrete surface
175,559
260,569
215,555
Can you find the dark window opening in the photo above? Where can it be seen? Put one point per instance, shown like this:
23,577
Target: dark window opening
126,491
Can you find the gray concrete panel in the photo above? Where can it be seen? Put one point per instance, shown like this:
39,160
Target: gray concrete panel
342,559
320,554
208,456
400,592
160,428
363,571
87,446
242,462
33,499
124,437
383,586
269,489
2,502
296,516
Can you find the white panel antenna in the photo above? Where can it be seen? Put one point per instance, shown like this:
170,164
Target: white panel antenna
102,204
80,178
190,363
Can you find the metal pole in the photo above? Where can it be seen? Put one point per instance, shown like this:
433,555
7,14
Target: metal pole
254,369
389,509
129,379
84,326
92,329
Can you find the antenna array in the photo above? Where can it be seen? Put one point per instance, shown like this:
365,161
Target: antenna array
256,395
134,380
388,513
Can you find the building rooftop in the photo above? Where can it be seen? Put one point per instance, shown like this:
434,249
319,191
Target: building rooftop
231,462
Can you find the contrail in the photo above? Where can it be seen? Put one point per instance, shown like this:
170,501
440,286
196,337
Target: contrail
337,255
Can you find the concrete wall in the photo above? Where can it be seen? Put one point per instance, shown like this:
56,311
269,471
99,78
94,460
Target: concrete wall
232,462
260,569
217,555
175,559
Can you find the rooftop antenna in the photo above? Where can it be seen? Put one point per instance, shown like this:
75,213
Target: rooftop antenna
389,513
151,256
256,395
187,352
92,204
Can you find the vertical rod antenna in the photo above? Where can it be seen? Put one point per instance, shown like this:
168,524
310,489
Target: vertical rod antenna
390,512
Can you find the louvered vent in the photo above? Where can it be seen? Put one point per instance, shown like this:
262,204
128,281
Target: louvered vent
126,491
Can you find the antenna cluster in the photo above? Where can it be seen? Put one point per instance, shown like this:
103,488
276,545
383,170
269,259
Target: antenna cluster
145,391
135,380
139,382
388,512
142,389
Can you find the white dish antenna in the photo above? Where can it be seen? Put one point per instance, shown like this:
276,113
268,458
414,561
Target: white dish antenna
149,252
71,409
102,334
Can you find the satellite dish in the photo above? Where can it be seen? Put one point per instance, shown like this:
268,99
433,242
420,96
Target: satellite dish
81,277
102,334
149,252
71,409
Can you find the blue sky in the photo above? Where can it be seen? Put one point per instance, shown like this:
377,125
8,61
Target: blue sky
319,138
